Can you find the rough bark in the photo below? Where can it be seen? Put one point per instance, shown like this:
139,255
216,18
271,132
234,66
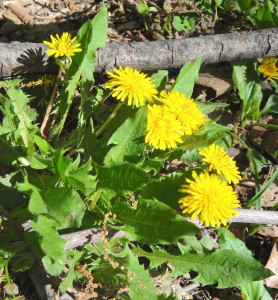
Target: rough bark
29,58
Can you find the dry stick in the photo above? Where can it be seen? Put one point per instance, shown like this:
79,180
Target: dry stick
50,105
80,238
153,55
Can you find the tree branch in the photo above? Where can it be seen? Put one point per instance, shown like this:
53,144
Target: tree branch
17,59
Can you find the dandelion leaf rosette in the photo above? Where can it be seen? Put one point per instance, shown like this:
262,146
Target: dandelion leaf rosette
123,178
187,77
152,222
226,268
128,139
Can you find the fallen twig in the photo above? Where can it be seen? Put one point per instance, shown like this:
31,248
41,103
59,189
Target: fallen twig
88,236
17,59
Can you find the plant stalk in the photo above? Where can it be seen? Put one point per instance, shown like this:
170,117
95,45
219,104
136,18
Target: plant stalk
44,130
110,118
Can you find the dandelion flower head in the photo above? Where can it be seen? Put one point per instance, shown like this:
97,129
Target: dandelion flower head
269,68
163,130
62,46
185,110
220,161
209,198
131,85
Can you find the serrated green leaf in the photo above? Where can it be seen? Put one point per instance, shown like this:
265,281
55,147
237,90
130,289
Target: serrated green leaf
50,241
152,222
53,267
165,189
255,291
65,206
73,257
140,286
207,107
36,204
249,91
123,178
265,16
79,178
227,268
129,138
177,23
211,133
160,79
271,106
187,77
18,118
227,241
91,36
9,152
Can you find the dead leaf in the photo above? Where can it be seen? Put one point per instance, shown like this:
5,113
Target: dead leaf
272,264
21,12
269,231
221,86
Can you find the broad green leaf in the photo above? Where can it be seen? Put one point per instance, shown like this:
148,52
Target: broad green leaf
160,79
166,189
195,245
129,138
91,36
152,222
140,286
18,118
36,204
124,178
207,107
50,241
271,106
211,133
43,145
227,268
257,160
79,178
190,156
265,16
9,152
187,77
53,267
255,291
249,91
178,24
73,257
139,280
227,241
243,5
65,206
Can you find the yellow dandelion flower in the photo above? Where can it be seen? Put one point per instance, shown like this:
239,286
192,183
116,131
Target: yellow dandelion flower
209,198
131,85
62,46
163,130
185,110
269,68
220,161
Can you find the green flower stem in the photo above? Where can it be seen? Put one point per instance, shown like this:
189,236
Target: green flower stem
110,118
238,138
264,125
258,195
44,131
